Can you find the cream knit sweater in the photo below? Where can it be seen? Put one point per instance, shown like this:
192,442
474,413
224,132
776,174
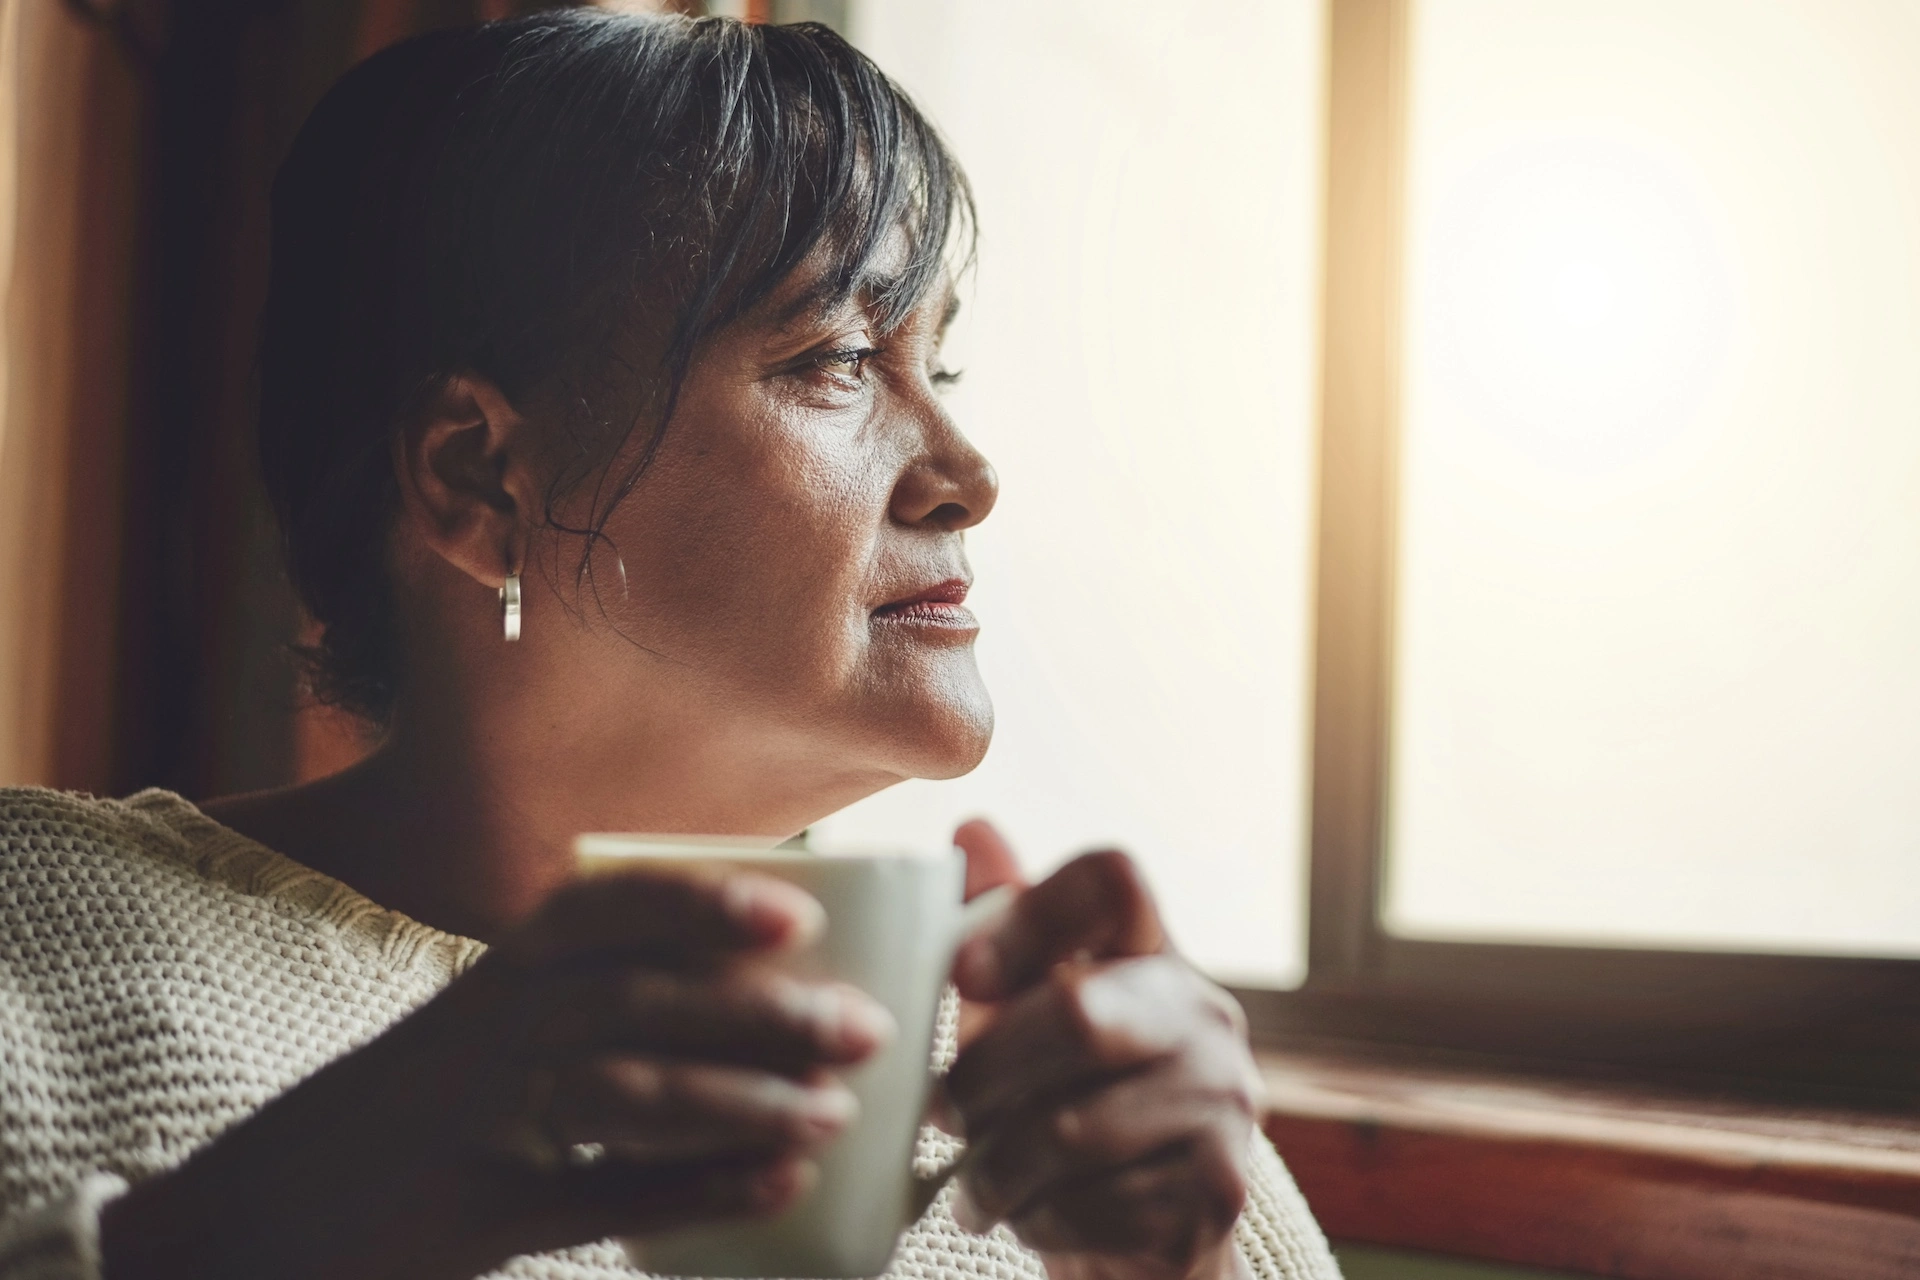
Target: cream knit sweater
162,977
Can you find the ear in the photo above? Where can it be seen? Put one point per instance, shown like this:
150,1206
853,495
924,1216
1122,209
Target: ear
467,481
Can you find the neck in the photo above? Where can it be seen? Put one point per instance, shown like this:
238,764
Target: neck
468,828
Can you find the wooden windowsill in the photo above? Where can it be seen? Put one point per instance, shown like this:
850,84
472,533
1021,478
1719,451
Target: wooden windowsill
1603,1178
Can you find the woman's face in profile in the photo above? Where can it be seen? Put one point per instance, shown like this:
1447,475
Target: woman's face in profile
793,560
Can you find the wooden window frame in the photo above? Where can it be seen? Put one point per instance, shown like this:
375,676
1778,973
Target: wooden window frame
1772,1022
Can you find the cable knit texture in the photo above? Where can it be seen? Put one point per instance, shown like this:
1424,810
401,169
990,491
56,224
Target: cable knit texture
162,977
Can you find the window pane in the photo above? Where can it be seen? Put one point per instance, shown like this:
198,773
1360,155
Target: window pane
1659,599
1139,365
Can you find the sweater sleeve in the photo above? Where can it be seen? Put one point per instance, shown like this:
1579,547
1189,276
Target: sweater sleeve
58,1240
1276,1234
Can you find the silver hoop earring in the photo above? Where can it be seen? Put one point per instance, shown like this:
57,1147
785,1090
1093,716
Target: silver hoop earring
510,607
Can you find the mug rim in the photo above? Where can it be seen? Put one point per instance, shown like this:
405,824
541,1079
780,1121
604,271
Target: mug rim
637,845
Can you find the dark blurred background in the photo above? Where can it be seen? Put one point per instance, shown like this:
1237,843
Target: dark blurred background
150,617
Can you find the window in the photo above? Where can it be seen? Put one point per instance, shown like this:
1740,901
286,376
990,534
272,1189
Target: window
1613,615
1657,643
1616,482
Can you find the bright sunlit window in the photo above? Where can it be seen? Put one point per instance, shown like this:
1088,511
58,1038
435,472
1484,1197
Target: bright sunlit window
1139,364
1658,674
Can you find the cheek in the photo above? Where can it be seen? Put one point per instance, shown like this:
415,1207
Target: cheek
749,558
753,557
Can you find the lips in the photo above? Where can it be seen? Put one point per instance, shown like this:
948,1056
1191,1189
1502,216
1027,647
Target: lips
942,604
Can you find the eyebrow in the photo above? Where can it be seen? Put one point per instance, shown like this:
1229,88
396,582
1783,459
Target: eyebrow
810,305
816,304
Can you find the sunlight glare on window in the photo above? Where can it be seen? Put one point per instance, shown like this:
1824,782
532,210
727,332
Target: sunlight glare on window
1581,296
1658,616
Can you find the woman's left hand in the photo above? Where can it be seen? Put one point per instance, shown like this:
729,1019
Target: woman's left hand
1104,1086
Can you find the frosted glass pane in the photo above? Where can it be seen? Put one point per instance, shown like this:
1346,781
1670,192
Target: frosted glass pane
1139,360
1659,613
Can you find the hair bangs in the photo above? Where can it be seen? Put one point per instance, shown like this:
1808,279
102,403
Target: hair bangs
830,166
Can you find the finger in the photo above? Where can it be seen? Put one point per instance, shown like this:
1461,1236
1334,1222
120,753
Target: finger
1173,1209
1200,1095
1097,907
747,1014
667,914
654,1109
616,1198
1082,1027
990,859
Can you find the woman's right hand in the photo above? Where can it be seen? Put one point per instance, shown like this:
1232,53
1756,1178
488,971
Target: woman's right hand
635,1011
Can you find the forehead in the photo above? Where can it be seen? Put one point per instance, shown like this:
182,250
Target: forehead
816,292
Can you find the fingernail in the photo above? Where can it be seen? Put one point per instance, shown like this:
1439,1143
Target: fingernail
849,1023
861,1024
967,1213
773,910
828,1110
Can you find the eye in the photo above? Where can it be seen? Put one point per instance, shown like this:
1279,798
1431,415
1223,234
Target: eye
942,377
846,362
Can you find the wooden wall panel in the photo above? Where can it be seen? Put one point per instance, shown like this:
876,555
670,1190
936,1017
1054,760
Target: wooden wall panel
73,118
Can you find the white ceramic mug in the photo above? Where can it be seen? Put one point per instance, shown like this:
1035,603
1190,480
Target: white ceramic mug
893,923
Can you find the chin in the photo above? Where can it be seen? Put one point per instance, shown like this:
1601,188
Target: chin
938,737
962,752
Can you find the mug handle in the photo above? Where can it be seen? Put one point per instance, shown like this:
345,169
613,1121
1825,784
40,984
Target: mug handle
985,907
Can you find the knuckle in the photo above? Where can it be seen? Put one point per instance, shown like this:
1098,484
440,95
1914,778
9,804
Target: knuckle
1231,1083
1111,864
1084,1134
563,907
1070,1128
639,1082
1114,879
1250,1096
1221,1004
561,903
1121,872
763,995
1079,1002
1110,1013
1221,1178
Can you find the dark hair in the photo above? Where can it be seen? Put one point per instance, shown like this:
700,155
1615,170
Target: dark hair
566,204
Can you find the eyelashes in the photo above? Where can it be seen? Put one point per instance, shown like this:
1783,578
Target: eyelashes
850,364
853,360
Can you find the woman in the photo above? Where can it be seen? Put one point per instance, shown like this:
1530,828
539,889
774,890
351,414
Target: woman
600,407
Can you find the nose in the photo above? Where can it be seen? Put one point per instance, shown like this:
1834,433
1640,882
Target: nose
948,485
